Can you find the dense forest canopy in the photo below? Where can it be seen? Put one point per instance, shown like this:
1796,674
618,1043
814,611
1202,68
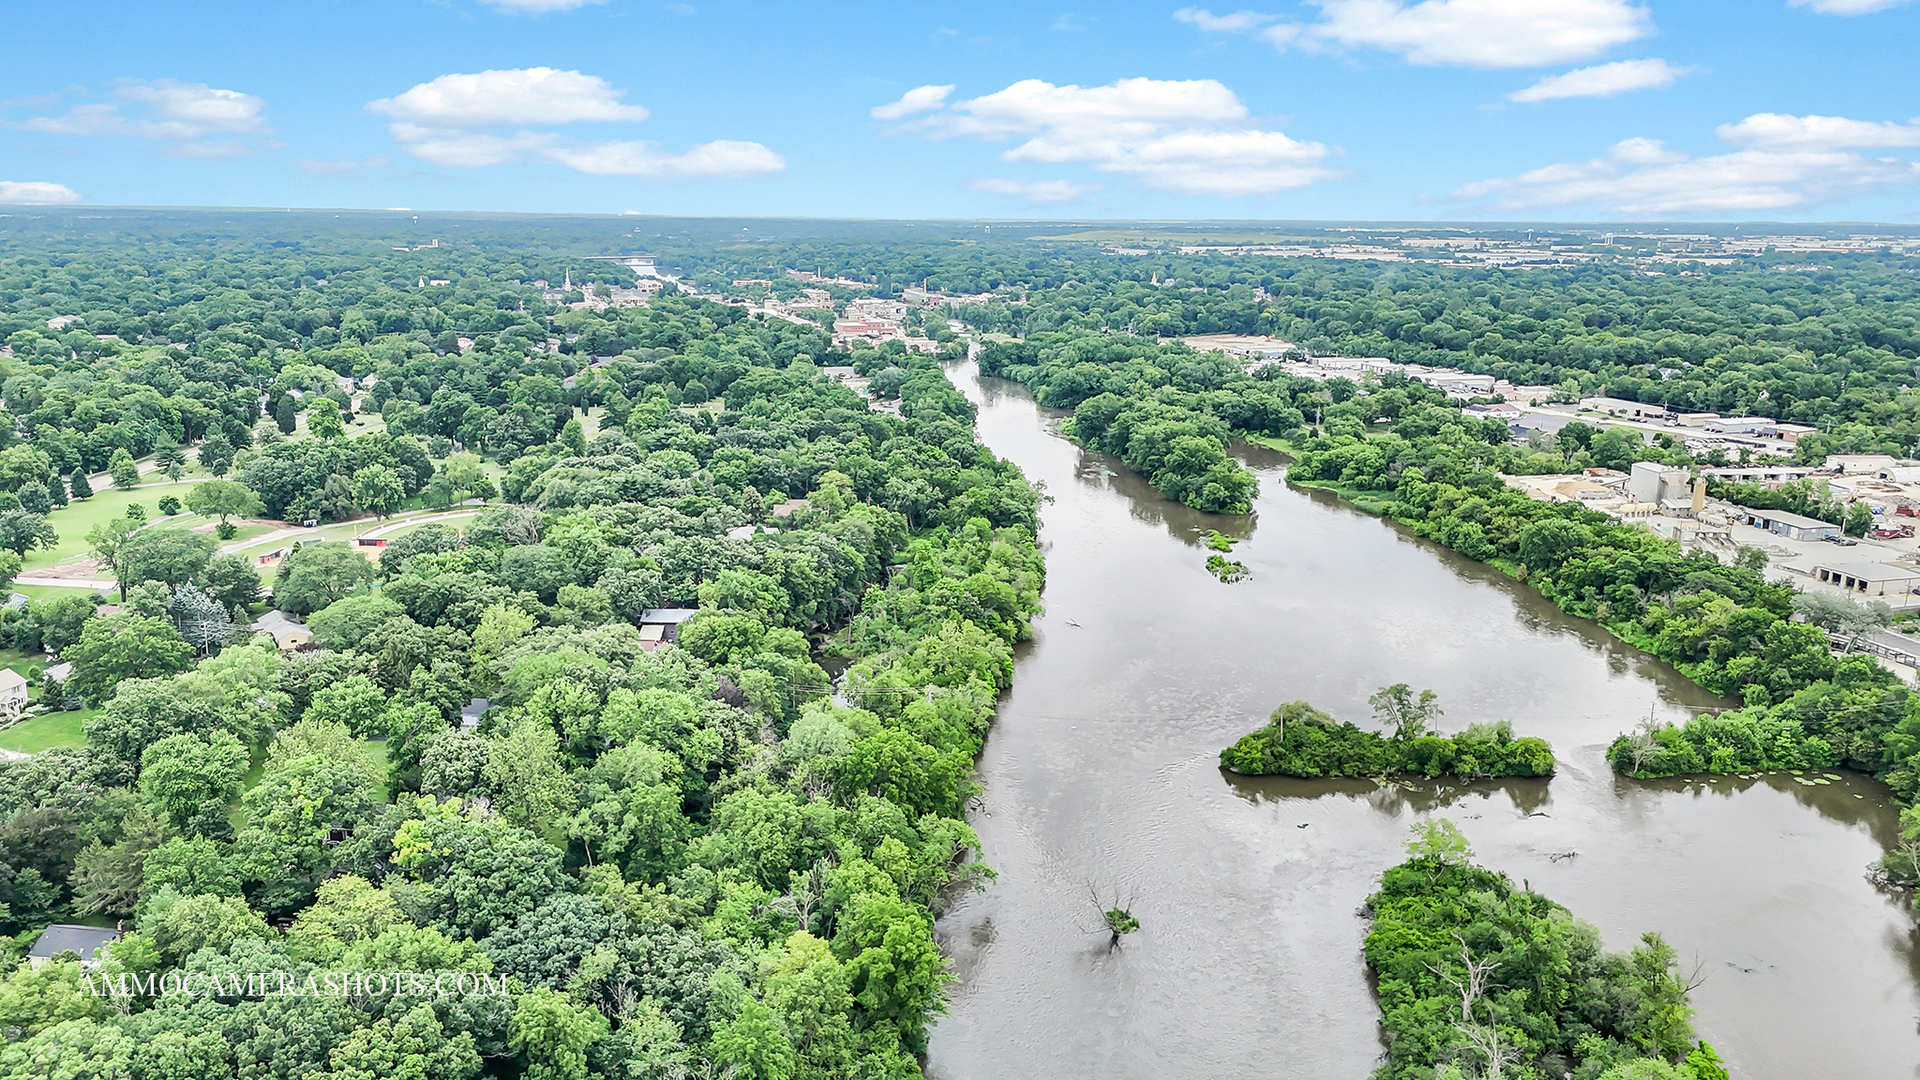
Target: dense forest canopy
695,852
677,858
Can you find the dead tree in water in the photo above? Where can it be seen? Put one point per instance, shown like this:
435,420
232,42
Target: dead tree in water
1115,920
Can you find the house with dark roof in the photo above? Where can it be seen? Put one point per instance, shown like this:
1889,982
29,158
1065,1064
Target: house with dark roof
82,941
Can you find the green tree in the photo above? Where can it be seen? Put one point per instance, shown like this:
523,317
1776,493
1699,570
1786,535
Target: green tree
537,569
530,785
346,909
33,999
573,437
82,487
22,465
377,489
123,646
61,617
232,580
126,475
36,498
473,875
318,777
183,925
550,1035
107,541
216,453
323,419
897,973
1408,716
224,499
318,574
1859,519
190,779
344,624
1439,841
286,414
1615,448
750,1043
354,701
172,556
415,1046
464,472
21,531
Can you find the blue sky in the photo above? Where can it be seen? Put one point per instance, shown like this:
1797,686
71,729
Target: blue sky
1329,109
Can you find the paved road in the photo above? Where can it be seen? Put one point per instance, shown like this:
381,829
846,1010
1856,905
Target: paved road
66,583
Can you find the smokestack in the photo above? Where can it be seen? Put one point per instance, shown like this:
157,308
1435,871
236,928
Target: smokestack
1699,496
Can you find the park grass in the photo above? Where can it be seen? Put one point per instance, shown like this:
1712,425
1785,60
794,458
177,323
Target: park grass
74,520
49,592
47,732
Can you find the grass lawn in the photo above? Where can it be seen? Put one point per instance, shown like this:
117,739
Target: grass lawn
48,592
20,662
47,732
77,518
248,532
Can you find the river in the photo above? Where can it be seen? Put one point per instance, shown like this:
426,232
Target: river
1101,775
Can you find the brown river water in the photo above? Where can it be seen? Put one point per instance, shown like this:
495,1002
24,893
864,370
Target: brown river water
1101,774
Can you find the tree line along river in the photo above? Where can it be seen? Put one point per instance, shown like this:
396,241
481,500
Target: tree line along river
1101,774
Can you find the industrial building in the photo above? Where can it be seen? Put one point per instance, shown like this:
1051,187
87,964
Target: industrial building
1870,579
1791,526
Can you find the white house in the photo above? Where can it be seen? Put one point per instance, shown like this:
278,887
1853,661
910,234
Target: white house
13,694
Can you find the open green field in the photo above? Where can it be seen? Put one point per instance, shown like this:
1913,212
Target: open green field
77,518
47,732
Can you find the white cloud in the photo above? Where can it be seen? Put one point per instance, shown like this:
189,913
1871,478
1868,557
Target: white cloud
1846,7
1604,80
349,167
1777,131
1473,33
210,150
537,7
918,99
1039,191
38,192
1237,23
724,158
467,149
327,168
1643,178
164,110
538,95
1124,110
445,122
201,108
1193,137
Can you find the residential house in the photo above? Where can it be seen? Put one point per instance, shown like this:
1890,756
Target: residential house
661,626
13,694
83,941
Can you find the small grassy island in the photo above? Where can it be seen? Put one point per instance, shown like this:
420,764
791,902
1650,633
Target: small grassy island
1302,741
1479,979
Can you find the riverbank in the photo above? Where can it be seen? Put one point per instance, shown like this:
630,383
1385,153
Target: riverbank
1102,767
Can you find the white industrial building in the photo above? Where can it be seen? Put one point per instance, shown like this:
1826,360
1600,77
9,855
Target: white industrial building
1652,482
1870,579
1791,526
